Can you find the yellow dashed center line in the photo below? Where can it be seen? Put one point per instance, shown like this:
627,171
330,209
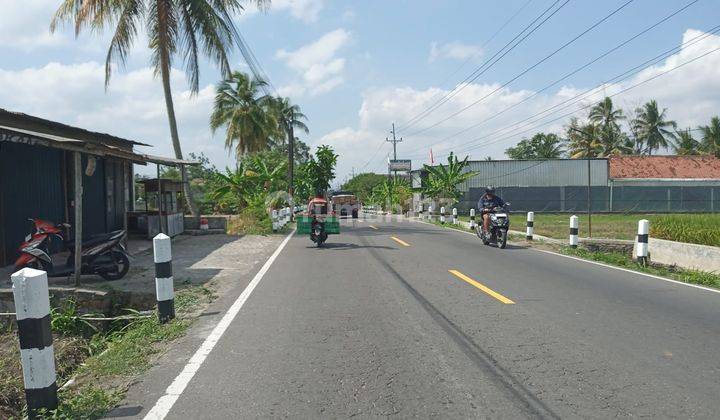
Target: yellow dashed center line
373,227
400,241
482,287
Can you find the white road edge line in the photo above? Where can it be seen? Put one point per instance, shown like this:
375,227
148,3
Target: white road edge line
172,393
708,289
631,271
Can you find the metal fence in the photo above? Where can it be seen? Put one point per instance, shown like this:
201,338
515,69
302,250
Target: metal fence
616,199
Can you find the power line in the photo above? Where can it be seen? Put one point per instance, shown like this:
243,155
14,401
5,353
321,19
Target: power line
566,76
589,105
579,97
527,70
486,65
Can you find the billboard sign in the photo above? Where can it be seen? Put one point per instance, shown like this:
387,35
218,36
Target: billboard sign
400,165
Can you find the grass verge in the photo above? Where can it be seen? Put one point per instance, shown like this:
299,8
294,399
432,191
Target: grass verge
702,278
103,364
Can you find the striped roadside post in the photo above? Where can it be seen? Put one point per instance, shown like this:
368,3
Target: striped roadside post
573,231
530,226
472,218
642,241
164,289
274,217
287,215
430,212
454,216
32,307
442,214
420,210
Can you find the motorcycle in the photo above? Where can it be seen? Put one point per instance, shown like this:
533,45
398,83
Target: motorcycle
317,233
497,229
103,254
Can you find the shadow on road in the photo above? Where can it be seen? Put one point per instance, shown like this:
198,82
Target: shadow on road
344,246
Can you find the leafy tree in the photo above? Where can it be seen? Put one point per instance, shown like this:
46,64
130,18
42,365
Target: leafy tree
175,28
443,180
653,128
711,137
685,143
362,185
317,173
245,113
540,146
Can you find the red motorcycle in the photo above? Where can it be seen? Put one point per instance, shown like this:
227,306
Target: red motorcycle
103,254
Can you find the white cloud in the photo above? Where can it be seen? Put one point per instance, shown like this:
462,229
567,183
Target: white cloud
689,94
454,51
133,107
307,11
316,64
26,24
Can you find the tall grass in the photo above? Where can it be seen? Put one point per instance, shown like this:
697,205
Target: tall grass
701,229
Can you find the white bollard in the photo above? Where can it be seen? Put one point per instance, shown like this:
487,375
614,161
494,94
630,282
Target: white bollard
420,210
32,307
442,214
164,289
455,219
472,218
574,231
287,215
430,212
530,226
642,241
274,218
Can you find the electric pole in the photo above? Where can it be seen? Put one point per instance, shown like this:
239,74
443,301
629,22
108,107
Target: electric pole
394,141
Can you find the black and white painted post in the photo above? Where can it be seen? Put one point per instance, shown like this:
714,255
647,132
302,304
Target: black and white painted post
164,277
642,241
430,212
472,218
420,210
573,231
287,215
32,308
442,214
274,217
530,226
455,219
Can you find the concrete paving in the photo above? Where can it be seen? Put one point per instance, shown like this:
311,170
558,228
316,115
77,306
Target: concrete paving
413,320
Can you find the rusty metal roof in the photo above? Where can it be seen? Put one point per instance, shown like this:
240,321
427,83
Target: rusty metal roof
664,167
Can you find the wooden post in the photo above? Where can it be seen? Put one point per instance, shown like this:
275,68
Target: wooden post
77,175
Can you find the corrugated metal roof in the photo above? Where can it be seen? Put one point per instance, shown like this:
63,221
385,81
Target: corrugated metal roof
669,167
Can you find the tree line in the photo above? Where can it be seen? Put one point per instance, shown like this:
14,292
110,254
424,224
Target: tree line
608,130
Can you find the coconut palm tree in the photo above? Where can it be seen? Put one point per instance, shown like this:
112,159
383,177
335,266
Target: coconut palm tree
245,113
182,29
582,140
290,118
711,137
653,127
685,143
611,139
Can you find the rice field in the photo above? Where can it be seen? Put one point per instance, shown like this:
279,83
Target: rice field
701,229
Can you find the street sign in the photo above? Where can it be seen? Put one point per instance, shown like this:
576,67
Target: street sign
400,165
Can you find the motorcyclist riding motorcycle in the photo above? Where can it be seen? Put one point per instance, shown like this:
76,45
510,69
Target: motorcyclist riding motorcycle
486,204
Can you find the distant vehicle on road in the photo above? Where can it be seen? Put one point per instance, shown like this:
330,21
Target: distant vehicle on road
318,222
345,204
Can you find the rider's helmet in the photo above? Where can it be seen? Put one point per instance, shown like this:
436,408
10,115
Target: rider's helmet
490,190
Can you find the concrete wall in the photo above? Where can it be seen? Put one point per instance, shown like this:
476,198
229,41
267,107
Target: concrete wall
698,257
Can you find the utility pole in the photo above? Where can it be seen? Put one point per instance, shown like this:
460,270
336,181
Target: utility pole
394,141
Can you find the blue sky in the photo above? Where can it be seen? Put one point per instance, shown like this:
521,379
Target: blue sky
357,66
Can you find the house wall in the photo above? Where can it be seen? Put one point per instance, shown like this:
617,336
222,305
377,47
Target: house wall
37,182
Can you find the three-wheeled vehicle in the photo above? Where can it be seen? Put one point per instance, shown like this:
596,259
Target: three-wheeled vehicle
319,221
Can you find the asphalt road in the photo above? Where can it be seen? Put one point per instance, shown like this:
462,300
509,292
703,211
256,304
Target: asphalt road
409,319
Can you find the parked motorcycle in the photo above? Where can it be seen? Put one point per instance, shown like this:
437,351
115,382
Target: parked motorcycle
497,229
103,254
